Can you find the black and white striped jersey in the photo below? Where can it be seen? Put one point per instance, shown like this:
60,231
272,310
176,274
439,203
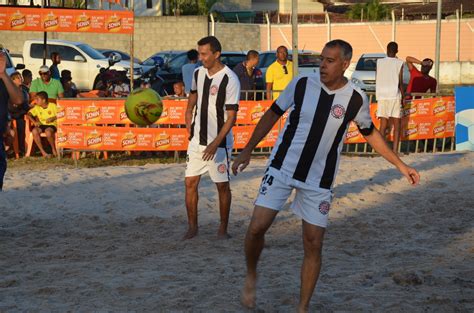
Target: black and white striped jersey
309,146
215,95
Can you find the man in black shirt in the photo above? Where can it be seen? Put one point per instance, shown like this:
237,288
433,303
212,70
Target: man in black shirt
8,90
246,73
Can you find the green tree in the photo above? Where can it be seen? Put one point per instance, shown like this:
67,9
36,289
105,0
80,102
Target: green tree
373,11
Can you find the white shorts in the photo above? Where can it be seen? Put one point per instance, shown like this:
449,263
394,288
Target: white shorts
389,108
311,205
218,168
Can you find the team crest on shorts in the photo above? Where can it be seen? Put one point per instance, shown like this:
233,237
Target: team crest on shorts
214,90
221,168
338,111
324,207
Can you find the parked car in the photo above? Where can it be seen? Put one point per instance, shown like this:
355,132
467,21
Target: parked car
171,71
308,63
365,71
125,56
166,55
81,59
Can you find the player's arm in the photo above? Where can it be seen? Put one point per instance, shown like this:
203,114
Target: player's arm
410,61
192,100
261,130
378,143
210,151
14,93
34,120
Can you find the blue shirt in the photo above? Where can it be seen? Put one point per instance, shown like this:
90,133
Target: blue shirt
54,71
188,70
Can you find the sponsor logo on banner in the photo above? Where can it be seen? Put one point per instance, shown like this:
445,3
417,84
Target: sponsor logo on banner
412,130
18,20
164,116
439,107
439,128
162,141
324,207
409,108
123,115
61,137
83,22
92,113
94,139
61,113
51,22
338,111
114,24
256,113
129,140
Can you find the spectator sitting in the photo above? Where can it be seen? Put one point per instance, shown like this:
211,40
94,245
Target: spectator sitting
70,89
27,78
56,59
51,86
121,89
420,81
18,110
178,89
43,117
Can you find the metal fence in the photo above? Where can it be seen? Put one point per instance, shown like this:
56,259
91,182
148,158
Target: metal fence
405,146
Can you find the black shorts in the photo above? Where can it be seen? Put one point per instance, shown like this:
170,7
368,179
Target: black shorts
44,127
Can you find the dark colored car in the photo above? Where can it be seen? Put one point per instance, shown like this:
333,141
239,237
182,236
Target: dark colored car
171,71
125,56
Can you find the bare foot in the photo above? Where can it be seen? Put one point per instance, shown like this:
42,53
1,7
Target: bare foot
248,296
47,156
223,235
191,233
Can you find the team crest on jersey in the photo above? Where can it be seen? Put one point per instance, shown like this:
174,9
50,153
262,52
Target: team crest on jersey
324,207
214,90
338,111
221,168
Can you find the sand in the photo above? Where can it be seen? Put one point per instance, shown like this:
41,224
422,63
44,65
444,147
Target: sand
108,240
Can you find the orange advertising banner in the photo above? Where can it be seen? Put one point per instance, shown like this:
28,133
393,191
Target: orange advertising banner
64,20
122,138
421,119
112,111
242,135
250,112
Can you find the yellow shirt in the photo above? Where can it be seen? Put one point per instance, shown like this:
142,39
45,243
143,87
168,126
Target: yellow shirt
276,75
43,114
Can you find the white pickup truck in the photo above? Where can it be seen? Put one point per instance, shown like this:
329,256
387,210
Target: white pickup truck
82,60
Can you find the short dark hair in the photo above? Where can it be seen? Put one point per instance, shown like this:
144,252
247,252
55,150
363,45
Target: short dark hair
346,48
26,73
392,47
43,95
15,75
212,41
54,54
283,48
192,55
252,54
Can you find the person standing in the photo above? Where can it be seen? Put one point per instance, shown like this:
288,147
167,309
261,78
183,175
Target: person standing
279,73
210,114
188,69
8,92
18,110
246,73
56,59
420,80
305,158
389,92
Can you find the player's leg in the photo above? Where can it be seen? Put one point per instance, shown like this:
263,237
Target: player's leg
313,243
262,219
396,133
225,199
191,200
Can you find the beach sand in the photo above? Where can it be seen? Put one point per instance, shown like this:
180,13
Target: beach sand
108,239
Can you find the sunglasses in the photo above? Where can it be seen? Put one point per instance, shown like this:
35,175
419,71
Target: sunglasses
285,69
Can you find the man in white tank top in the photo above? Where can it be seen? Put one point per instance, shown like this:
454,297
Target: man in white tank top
389,92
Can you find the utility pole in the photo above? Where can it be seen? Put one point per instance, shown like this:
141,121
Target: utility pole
294,37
